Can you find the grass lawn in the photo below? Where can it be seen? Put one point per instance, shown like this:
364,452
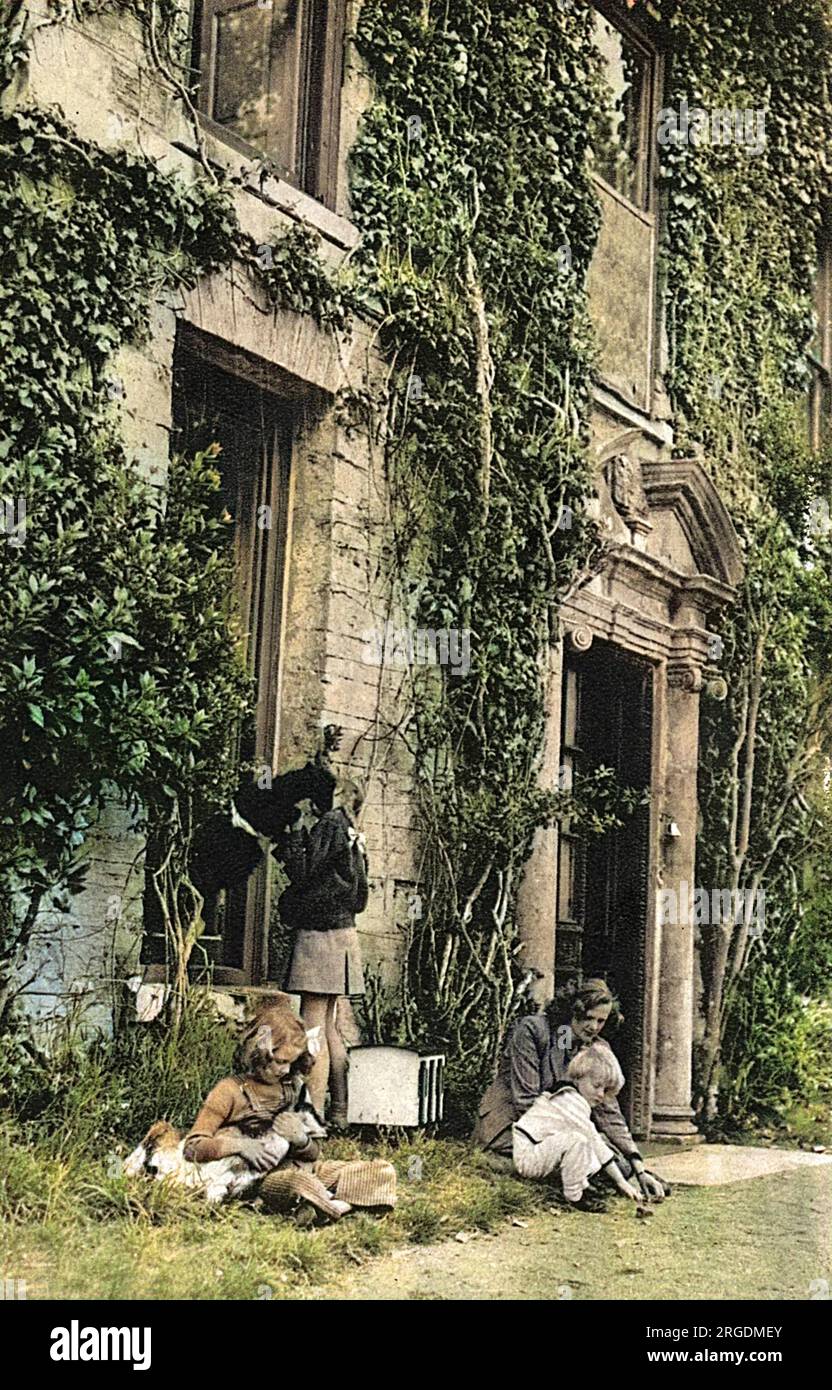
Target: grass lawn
73,1232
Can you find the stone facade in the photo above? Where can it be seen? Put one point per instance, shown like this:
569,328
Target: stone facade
671,561
334,588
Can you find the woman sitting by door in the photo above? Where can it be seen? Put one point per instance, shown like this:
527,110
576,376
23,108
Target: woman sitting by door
536,1057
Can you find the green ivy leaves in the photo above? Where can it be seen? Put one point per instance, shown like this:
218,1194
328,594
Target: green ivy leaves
468,177
117,668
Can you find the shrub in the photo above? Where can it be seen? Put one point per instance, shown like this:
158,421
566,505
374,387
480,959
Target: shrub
82,1099
778,1043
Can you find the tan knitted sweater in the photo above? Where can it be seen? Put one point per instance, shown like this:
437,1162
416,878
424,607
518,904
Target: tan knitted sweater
241,1105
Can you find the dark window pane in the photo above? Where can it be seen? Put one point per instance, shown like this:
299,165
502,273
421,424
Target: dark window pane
254,82
254,431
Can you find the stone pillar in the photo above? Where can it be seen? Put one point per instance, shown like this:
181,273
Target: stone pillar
672,1112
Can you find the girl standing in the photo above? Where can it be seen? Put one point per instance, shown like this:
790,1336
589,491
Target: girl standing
328,888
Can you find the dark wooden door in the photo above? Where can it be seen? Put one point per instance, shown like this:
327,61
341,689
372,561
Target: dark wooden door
603,880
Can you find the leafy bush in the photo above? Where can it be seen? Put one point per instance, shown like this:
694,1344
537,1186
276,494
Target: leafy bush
778,1043
118,670
91,1098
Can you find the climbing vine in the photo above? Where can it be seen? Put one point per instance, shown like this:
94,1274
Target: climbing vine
119,667
743,231
100,693
470,185
471,189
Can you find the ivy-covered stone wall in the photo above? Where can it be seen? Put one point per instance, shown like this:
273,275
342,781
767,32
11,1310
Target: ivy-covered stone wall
470,178
122,224
445,341
745,232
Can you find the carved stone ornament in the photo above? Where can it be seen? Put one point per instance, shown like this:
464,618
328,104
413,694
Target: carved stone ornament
579,638
627,492
685,676
716,687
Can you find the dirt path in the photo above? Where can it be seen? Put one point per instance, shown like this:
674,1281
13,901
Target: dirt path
767,1238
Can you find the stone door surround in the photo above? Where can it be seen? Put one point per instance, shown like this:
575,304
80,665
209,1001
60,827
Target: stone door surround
673,561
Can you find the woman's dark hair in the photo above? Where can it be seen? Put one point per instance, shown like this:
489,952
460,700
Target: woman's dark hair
575,1000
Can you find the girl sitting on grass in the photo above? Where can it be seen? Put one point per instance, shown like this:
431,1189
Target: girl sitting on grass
264,1115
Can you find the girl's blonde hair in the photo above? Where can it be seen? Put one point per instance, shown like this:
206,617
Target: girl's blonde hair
273,1035
599,1059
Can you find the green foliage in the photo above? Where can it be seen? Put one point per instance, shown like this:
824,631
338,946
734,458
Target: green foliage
85,1099
118,671
193,690
740,251
469,183
496,174
778,1042
740,247
469,177
295,277
470,186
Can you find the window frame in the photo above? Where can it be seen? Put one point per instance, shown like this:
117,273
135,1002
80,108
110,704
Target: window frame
316,95
262,575
652,38
641,33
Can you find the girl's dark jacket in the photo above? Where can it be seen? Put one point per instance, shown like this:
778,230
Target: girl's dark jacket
533,1061
328,873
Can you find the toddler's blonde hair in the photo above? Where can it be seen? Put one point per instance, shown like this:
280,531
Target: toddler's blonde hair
601,1061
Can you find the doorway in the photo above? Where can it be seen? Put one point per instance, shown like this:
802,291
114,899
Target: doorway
603,880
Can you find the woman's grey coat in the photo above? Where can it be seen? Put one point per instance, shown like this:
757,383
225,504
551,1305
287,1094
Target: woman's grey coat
535,1060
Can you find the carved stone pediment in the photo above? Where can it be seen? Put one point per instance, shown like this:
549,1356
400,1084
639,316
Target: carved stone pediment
682,487
673,512
661,585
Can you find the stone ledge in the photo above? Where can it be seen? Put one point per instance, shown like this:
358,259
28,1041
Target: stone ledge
714,1165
